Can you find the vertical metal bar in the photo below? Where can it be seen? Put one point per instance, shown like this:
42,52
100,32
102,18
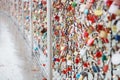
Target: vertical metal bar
17,9
22,18
111,56
31,28
49,39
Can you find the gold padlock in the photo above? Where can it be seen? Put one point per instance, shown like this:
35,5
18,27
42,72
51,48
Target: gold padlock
81,78
98,12
114,28
63,1
103,34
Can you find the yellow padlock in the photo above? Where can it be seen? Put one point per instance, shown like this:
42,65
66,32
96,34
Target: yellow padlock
63,1
75,53
98,12
114,28
118,12
89,31
81,78
68,57
103,34
62,47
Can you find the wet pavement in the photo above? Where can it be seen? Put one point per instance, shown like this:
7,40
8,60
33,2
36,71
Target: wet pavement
15,63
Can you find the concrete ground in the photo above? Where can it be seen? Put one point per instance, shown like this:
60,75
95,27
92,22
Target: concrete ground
15,63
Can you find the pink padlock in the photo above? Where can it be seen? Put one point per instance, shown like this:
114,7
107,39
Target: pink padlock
90,42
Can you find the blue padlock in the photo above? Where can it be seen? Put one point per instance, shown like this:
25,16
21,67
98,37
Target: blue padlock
86,11
78,75
117,37
27,17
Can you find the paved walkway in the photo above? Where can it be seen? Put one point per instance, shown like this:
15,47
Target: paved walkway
14,56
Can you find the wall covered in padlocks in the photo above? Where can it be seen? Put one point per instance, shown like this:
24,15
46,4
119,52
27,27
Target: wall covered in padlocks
85,37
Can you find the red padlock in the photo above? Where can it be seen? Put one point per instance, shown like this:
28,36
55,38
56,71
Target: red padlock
90,42
111,17
65,48
105,68
56,33
57,59
44,79
88,16
76,44
63,33
82,1
92,1
99,62
44,2
105,40
57,18
77,60
63,60
69,69
109,2
86,64
79,25
100,27
69,8
98,54
44,65
93,18
58,47
64,71
85,34
45,52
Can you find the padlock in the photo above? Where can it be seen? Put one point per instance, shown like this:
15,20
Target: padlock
98,12
98,54
85,34
64,71
104,57
63,1
112,17
99,27
86,11
105,68
90,42
69,69
82,1
116,58
74,4
114,28
95,68
117,36
86,64
105,40
57,18
83,51
81,78
114,9
82,7
98,61
78,75
109,3
103,34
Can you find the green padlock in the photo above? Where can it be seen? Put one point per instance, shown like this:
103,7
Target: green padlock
104,57
74,4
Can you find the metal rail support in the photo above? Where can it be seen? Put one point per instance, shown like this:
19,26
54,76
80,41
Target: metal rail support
49,39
